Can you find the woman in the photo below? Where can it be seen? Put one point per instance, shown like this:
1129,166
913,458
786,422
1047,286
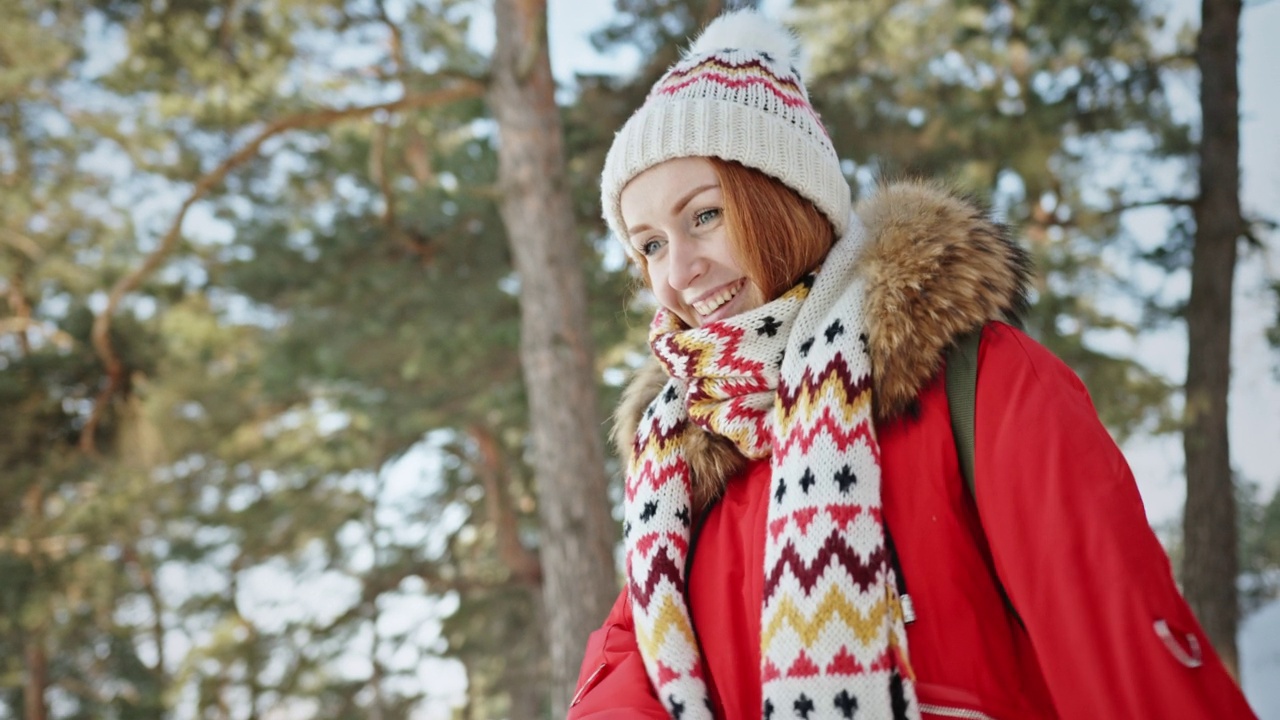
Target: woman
799,541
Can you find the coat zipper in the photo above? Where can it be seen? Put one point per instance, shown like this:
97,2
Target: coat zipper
590,683
954,712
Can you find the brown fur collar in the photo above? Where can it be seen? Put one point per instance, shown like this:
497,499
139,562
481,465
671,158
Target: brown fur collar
937,267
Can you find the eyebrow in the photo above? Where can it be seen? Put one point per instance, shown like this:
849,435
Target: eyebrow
678,207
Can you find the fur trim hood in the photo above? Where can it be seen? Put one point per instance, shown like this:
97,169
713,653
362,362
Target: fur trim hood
937,268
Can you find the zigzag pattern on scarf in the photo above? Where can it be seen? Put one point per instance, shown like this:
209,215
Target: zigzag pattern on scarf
730,385
828,603
656,529
834,614
831,403
663,463
834,555
790,380
667,619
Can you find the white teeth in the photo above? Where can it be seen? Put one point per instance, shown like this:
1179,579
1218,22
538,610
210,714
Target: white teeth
713,303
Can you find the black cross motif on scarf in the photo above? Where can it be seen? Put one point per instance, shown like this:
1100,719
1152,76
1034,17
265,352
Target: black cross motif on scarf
846,704
845,478
768,326
650,509
833,330
807,480
804,706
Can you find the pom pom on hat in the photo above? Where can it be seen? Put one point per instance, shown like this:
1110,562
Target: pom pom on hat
746,30
734,95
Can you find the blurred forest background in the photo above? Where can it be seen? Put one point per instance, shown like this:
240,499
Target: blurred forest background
309,327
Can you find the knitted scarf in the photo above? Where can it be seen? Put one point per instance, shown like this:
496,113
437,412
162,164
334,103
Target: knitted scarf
790,380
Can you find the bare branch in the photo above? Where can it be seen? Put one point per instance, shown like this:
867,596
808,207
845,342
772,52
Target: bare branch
523,564
129,283
22,243
1157,202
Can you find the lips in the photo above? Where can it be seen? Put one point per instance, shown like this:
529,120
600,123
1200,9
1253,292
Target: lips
715,300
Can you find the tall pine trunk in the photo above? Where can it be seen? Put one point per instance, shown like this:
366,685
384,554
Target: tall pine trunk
1209,523
555,346
37,677
35,654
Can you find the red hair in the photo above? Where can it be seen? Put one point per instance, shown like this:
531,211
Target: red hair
777,235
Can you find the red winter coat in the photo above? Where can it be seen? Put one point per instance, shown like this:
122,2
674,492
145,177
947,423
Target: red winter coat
1093,625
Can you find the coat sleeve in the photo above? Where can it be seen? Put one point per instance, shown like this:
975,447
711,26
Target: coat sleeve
1073,548
612,684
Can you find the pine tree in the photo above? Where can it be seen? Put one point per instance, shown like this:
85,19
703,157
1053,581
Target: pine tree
1210,534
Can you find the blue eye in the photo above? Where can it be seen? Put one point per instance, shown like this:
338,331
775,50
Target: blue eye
705,216
650,247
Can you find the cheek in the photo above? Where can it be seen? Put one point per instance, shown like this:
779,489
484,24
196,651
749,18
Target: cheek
667,296
723,251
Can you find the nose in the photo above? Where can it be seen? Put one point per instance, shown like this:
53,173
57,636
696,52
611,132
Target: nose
687,262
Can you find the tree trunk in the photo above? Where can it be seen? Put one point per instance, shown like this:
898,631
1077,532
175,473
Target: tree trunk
526,698
37,678
34,652
555,348
1210,565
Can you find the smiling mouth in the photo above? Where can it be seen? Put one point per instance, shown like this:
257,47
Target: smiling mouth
708,305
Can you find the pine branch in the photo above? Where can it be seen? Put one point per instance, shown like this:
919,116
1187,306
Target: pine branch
314,119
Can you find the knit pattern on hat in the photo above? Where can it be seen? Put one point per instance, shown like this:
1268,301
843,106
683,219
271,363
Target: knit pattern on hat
735,95
790,380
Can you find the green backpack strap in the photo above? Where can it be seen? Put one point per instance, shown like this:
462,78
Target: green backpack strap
962,392
962,389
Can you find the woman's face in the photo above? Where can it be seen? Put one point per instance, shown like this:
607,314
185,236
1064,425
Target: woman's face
674,213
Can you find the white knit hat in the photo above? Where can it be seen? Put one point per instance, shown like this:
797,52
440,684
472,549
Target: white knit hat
734,95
